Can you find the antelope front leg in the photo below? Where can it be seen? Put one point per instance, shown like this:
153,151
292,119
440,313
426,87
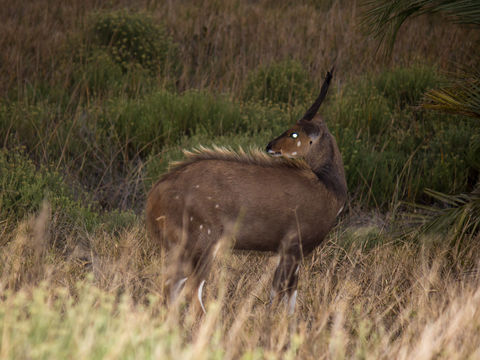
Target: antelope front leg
285,280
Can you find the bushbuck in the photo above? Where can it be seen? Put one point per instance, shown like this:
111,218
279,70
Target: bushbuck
285,202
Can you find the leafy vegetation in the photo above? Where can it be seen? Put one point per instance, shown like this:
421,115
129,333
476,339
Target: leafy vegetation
132,39
461,97
24,188
284,82
384,18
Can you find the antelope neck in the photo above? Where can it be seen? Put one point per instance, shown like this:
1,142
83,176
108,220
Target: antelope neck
329,176
329,173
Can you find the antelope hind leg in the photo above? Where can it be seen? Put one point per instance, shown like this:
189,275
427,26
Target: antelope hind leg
285,280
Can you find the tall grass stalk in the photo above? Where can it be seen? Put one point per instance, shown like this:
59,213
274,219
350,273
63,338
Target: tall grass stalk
393,300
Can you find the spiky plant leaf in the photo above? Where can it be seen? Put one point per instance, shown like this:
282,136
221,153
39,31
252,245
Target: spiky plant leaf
384,18
461,97
457,215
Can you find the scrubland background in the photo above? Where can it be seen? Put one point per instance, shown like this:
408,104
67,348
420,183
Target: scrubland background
96,98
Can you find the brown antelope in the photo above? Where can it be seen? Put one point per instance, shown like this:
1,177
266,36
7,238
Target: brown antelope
285,203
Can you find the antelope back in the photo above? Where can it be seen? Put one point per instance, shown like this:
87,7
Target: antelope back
266,199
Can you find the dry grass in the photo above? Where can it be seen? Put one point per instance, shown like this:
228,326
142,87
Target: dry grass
221,42
393,300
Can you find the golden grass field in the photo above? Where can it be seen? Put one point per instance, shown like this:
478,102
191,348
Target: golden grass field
395,299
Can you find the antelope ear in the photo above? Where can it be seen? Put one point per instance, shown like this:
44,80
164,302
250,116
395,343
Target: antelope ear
309,115
312,128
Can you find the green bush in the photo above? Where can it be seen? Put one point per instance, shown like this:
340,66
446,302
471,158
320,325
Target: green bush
133,38
393,151
403,87
283,82
99,73
163,118
120,53
33,125
361,107
23,187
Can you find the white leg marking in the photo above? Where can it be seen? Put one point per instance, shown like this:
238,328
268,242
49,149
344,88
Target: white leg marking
292,302
273,294
177,288
339,211
297,269
199,295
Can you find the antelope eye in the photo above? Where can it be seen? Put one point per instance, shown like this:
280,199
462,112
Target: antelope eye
294,135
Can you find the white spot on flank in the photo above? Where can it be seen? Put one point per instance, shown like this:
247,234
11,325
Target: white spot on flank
209,197
209,231
299,143
176,197
217,206
291,303
201,227
197,186
191,218
273,295
294,153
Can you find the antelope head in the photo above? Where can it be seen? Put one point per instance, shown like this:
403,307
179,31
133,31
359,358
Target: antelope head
306,134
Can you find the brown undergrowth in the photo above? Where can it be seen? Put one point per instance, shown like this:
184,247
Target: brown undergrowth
357,299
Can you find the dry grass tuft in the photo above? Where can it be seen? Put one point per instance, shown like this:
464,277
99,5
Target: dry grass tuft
220,43
394,300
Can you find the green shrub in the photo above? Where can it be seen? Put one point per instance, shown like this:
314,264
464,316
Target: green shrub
32,125
99,73
133,38
23,187
163,118
120,53
406,86
361,107
283,82
393,151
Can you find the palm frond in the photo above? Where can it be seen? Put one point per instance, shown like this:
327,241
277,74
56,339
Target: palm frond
461,97
384,18
457,214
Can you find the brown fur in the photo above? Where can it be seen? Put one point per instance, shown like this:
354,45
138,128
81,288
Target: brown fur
285,204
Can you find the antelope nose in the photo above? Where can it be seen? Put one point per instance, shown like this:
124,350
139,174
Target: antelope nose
269,148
